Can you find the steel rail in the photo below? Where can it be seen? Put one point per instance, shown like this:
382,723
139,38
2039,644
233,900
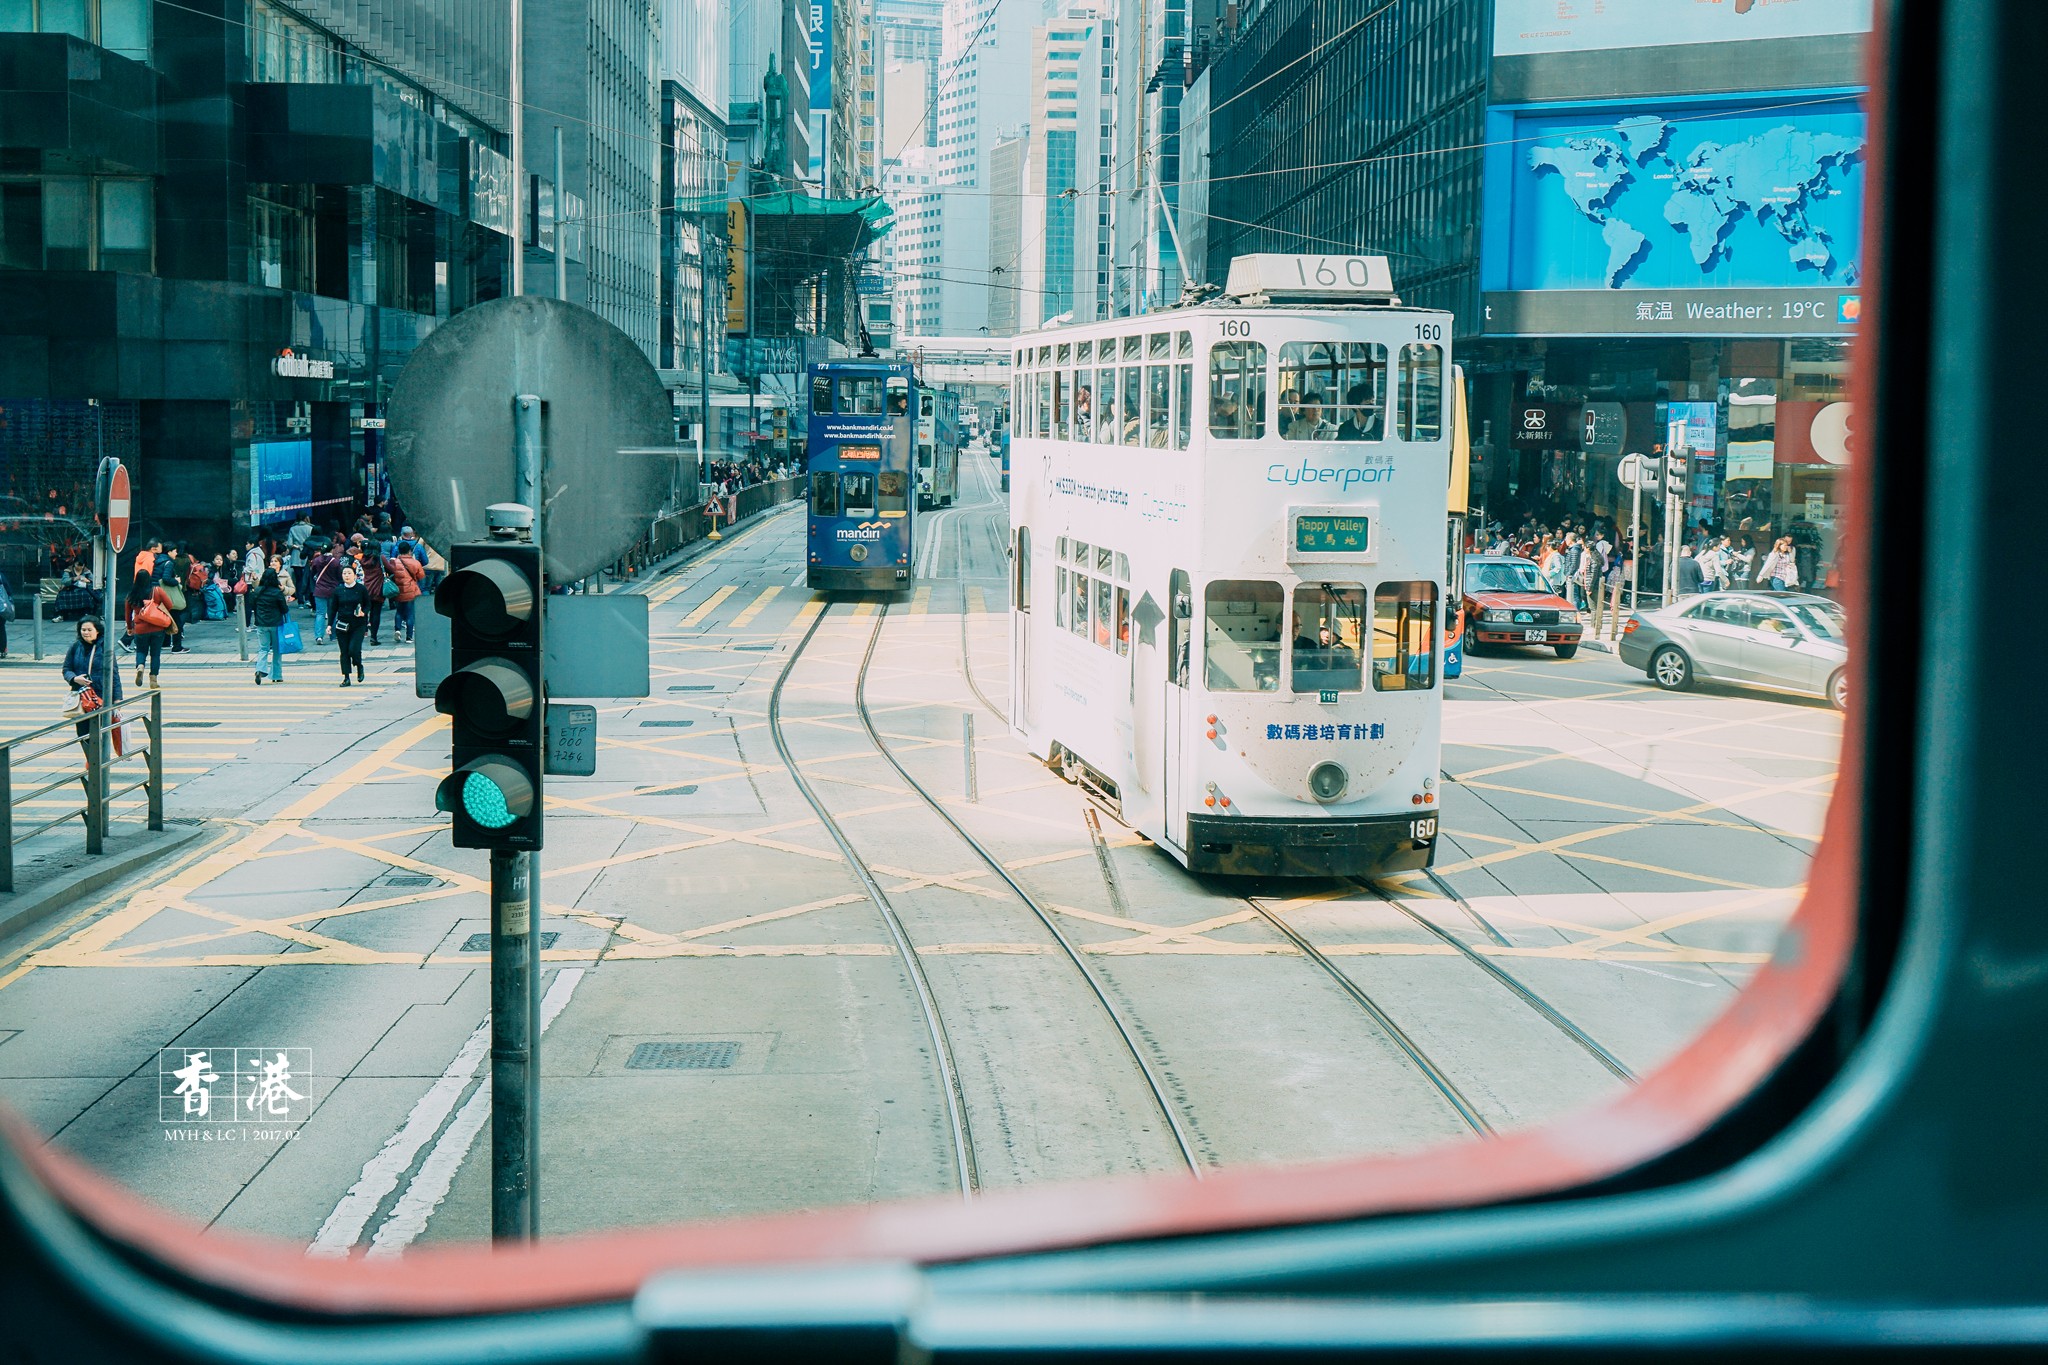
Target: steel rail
1513,984
1399,1036
1066,944
942,1046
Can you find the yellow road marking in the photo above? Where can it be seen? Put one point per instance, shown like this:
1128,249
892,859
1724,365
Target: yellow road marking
706,607
753,609
921,601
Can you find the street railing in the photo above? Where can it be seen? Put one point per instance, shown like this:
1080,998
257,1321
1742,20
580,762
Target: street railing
97,778
672,533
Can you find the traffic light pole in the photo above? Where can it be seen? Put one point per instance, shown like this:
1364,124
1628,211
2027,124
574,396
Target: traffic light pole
515,1060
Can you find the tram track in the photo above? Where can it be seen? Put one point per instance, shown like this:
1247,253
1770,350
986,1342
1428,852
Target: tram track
965,1166
1126,1030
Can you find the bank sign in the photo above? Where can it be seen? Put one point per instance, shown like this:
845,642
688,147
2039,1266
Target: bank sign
1735,217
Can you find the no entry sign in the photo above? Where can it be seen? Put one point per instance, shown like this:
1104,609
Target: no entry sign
114,504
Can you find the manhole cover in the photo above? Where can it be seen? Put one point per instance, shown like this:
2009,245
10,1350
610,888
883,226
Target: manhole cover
406,879
665,724
683,1056
481,943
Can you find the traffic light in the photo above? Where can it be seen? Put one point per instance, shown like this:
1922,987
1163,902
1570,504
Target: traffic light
492,598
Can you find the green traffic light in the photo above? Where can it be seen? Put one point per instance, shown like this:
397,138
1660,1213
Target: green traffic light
484,802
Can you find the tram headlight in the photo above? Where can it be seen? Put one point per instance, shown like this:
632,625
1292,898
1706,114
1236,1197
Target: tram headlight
859,553
1327,781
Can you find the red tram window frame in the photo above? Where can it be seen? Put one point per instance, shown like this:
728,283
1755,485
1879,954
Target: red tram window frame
1795,999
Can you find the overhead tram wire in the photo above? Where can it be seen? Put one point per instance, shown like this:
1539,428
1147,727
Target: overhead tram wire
942,1046
1124,1031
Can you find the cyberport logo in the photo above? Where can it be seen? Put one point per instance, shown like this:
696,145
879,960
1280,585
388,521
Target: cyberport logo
867,530
1365,472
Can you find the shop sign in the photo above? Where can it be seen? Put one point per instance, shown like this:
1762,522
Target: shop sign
1791,311
1546,425
1750,459
286,365
1603,428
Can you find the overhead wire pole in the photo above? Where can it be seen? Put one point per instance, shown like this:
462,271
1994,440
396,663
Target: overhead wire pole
518,119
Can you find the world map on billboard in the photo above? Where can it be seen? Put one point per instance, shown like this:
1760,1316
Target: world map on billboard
1655,199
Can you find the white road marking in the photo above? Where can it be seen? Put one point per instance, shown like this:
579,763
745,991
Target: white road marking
408,1218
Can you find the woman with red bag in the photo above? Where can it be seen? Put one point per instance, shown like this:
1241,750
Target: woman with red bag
149,621
95,681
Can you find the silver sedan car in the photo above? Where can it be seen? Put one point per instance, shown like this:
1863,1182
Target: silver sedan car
1785,641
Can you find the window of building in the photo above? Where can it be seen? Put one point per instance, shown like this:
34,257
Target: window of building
1237,390
1329,632
67,223
1422,392
21,225
1345,382
1404,637
1241,636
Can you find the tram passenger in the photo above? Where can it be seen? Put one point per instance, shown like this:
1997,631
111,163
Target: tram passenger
1309,423
1159,438
1084,412
1289,410
1361,418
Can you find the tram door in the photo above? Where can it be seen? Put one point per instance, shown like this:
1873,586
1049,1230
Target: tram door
1025,702
1180,611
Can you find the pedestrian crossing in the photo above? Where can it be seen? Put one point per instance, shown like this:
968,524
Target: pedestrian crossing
751,609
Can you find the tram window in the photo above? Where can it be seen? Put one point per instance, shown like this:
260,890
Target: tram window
1237,390
1104,614
1123,567
1184,402
1133,346
1059,597
1081,553
1059,548
1159,345
1123,621
857,494
1084,405
1045,403
924,455
1060,397
1132,405
1158,418
1184,345
1104,557
893,488
1084,353
1422,392
1350,379
1404,637
1179,611
1241,644
1107,426
1077,606
1020,591
821,393
861,395
899,396
824,494
927,406
1329,629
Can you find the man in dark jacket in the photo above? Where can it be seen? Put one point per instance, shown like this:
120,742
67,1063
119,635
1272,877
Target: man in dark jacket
267,607
1688,572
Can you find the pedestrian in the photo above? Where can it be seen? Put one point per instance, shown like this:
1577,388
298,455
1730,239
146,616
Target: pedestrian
145,558
252,563
267,607
1550,564
437,568
1690,578
190,576
296,538
6,611
408,573
284,578
1781,566
149,622
351,617
88,663
370,568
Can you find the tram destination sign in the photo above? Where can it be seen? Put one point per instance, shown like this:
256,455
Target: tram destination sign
1331,535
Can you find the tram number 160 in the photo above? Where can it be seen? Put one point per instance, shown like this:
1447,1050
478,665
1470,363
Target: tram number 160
1422,830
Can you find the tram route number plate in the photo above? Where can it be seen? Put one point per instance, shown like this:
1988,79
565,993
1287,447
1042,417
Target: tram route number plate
1331,535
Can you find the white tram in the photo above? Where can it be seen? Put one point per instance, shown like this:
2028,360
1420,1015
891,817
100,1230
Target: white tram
1228,561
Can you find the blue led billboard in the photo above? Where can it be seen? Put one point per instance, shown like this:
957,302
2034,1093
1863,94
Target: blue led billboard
281,475
1762,192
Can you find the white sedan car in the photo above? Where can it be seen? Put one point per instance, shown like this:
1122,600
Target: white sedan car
1784,641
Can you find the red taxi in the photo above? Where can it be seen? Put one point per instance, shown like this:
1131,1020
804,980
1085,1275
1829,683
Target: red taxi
1507,604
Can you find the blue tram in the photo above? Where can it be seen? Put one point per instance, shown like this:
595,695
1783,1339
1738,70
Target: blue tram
863,435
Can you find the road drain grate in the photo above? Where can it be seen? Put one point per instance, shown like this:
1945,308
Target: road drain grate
406,879
191,725
666,724
693,687
481,943
753,646
683,1056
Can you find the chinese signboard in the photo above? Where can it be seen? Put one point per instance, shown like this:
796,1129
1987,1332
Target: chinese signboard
1331,535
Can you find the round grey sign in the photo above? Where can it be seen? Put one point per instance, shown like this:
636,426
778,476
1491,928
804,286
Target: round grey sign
607,435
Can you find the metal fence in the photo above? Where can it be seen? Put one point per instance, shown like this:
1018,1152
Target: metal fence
97,772
669,534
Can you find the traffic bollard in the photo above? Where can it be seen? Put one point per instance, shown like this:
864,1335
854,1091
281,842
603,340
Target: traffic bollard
967,750
242,624
37,605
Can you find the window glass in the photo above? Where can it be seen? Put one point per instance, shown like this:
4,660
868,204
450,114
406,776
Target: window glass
65,16
1107,425
821,393
1104,557
1329,632
1084,405
1184,345
67,223
1422,392
893,487
1077,606
857,494
1045,403
1060,397
1059,597
1159,345
1237,390
124,28
1123,620
1063,356
1020,590
1132,346
1404,637
927,405
1085,352
1184,402
1180,609
861,395
1158,387
1824,619
899,396
1131,405
1081,556
1105,614
1241,636
1123,568
1345,381
825,494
